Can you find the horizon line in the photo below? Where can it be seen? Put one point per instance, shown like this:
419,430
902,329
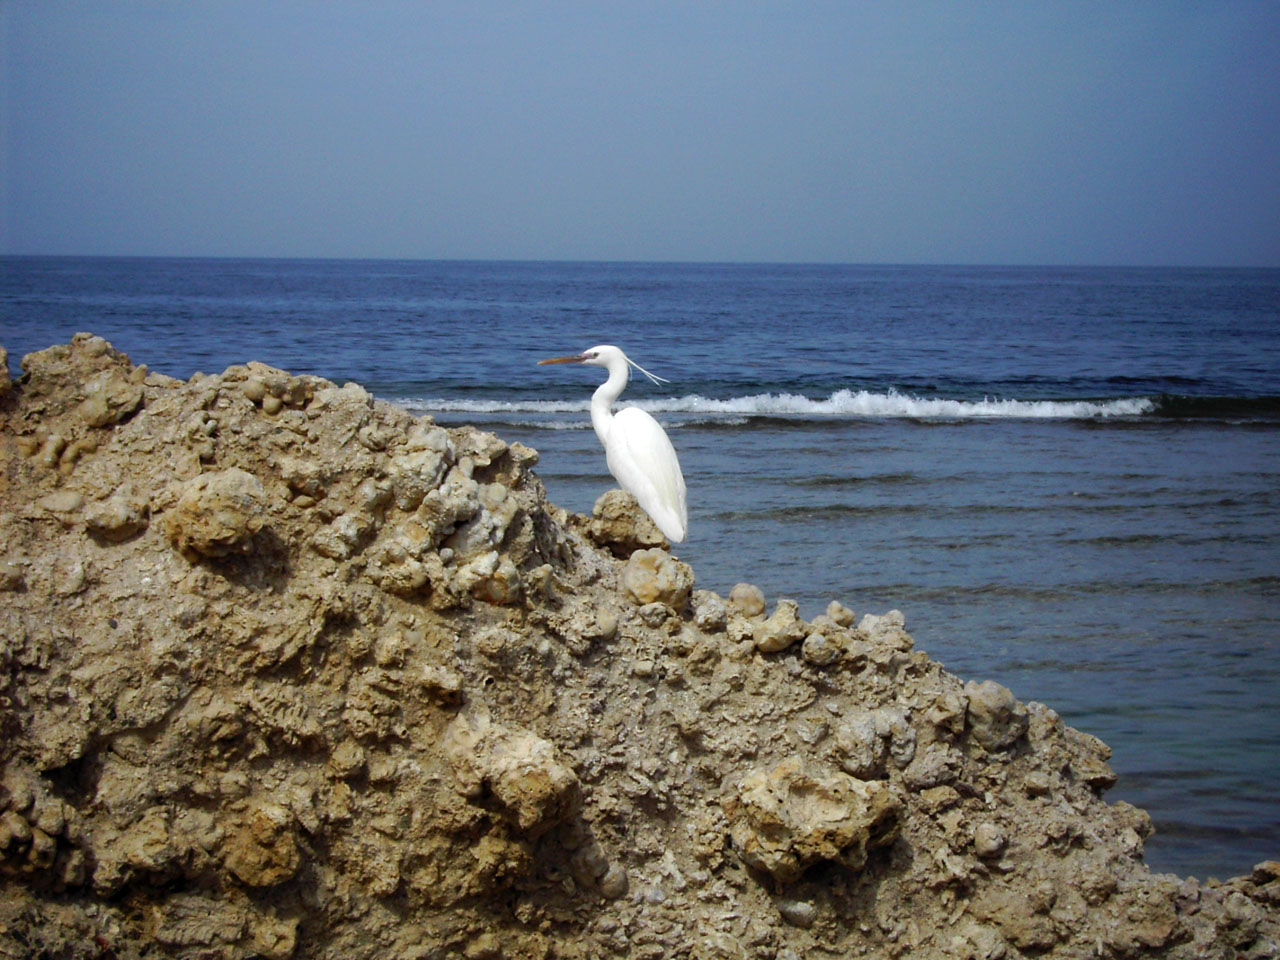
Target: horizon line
296,258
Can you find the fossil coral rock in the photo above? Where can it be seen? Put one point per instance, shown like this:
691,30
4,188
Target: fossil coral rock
618,524
747,599
216,513
260,849
519,770
654,576
784,820
122,515
288,672
783,628
996,719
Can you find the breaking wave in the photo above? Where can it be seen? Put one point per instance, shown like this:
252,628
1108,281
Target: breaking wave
843,404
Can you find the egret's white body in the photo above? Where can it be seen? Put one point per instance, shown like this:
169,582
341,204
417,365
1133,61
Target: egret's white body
636,448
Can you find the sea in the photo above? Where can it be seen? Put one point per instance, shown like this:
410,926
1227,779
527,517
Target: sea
1066,478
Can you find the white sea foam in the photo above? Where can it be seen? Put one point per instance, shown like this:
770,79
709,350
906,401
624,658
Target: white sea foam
841,404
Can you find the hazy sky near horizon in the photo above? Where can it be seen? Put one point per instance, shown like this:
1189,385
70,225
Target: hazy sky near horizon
943,132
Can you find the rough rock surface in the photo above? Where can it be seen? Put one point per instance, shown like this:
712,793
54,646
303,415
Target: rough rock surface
287,672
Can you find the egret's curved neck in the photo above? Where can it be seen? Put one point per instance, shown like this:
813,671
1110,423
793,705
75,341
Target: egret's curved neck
606,393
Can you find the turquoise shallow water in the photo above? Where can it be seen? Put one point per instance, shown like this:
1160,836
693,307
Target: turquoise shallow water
1067,479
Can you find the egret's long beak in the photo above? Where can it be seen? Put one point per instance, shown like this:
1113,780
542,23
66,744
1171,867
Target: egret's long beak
576,358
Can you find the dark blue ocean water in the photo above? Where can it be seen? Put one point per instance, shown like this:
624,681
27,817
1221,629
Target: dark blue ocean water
1068,479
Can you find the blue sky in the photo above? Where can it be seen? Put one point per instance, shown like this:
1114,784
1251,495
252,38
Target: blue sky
1022,132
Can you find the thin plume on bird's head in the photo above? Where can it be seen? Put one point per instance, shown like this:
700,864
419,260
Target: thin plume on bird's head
657,380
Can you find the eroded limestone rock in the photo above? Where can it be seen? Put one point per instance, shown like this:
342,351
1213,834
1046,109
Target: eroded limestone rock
996,718
521,772
786,819
216,514
783,628
415,711
654,576
618,524
122,515
747,599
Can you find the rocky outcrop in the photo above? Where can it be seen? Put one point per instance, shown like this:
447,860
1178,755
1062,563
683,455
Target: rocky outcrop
287,672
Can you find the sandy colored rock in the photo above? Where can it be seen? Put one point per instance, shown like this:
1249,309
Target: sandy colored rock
619,525
996,719
709,612
783,628
261,850
520,771
654,576
109,398
988,841
822,649
122,515
867,742
786,819
289,672
216,514
840,614
747,599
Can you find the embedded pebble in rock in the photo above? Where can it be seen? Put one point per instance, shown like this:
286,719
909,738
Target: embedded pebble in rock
263,851
654,576
618,524
254,390
747,599
996,719
122,515
216,514
1037,783
786,819
342,538
932,766
709,612
614,883
442,683
862,750
840,614
520,771
800,913
867,740
606,624
783,628
109,397
65,505
887,631
988,841
289,672
654,614
821,650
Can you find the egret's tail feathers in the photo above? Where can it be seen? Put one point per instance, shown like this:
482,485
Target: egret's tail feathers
672,526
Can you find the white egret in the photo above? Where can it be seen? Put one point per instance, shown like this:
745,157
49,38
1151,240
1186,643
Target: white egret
636,448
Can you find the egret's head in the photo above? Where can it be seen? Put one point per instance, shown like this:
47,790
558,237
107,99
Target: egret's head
599,356
605,355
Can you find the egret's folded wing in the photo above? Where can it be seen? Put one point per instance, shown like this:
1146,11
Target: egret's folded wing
643,461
